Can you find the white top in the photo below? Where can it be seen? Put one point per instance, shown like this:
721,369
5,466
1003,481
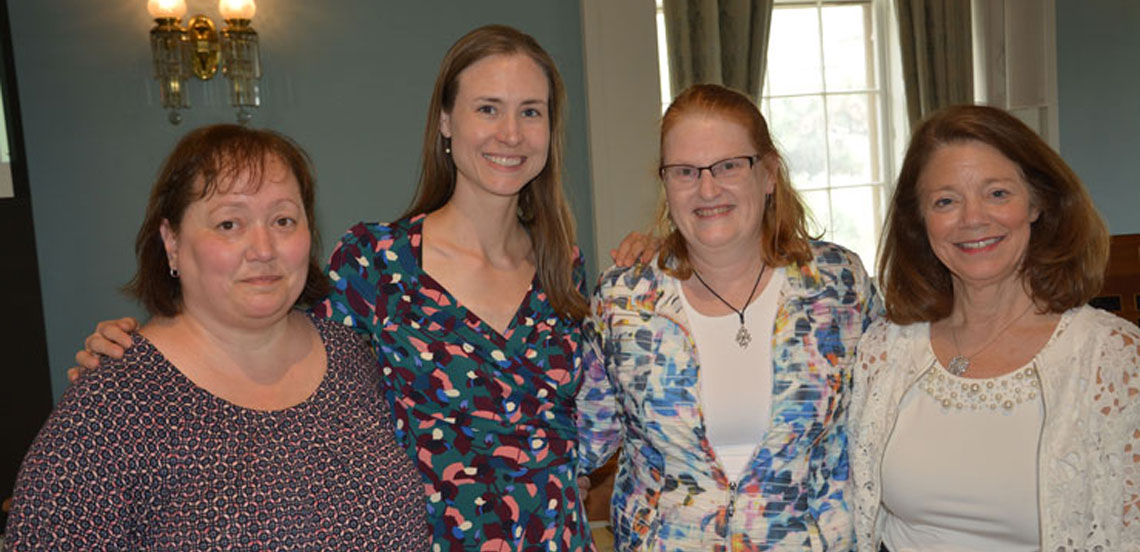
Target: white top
960,468
736,382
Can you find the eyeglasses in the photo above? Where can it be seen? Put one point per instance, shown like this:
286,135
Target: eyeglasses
725,170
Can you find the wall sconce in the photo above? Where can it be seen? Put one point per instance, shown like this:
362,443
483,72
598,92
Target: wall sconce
199,49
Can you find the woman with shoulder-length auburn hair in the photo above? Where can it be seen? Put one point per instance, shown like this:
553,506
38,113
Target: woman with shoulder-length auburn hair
722,371
994,409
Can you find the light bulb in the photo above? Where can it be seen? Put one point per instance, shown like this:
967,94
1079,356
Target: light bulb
237,9
166,9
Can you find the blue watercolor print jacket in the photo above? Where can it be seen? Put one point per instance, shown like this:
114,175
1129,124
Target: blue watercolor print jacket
641,390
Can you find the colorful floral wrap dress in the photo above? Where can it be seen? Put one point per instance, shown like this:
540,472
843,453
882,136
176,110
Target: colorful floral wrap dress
641,391
488,418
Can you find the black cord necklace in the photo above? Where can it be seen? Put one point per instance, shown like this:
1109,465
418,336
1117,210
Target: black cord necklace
743,337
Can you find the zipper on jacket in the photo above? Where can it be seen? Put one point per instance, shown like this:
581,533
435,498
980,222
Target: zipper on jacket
1040,441
875,541
729,510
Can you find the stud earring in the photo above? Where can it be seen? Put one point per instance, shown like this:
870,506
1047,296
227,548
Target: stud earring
174,273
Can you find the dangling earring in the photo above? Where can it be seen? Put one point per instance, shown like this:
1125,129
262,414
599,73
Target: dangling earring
447,146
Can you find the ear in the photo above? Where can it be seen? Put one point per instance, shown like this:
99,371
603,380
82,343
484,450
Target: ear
770,167
1034,213
445,124
169,243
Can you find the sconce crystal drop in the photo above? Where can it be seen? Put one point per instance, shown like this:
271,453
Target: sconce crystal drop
199,50
171,63
241,63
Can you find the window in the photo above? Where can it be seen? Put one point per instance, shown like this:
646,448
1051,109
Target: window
825,100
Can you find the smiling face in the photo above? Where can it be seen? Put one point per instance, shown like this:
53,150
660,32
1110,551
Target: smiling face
977,208
242,256
499,126
716,215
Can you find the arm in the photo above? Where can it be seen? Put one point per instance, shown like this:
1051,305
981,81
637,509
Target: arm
73,491
835,518
599,421
1127,384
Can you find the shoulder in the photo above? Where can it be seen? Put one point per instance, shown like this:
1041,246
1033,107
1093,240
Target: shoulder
1100,339
350,354
375,236
340,340
128,400
837,261
885,344
636,280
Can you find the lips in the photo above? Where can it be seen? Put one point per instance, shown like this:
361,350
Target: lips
261,280
712,211
979,245
505,160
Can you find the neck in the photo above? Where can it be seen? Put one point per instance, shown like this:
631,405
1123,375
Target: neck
260,354
488,228
727,269
989,304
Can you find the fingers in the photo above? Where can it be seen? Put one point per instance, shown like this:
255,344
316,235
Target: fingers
652,246
635,248
629,249
583,484
112,337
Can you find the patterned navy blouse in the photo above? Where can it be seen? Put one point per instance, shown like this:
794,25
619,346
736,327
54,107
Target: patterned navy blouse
136,457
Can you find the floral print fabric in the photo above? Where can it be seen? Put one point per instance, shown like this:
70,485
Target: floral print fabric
488,418
642,392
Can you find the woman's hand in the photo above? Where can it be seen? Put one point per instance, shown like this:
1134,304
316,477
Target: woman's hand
111,338
635,248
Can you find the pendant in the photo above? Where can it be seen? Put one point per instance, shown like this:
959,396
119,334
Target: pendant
743,338
958,365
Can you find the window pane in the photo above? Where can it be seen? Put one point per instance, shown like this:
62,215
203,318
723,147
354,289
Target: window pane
855,226
845,48
819,212
793,52
798,128
849,132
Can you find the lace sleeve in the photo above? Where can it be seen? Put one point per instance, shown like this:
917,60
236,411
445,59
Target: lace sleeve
1118,397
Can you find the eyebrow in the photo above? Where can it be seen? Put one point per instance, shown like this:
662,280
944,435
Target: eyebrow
497,100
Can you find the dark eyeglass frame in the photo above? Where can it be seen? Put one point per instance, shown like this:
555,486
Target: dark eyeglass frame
752,159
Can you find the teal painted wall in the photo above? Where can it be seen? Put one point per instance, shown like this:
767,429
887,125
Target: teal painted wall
1098,84
348,79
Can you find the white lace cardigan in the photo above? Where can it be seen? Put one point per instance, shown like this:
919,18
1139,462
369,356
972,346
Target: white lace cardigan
1088,466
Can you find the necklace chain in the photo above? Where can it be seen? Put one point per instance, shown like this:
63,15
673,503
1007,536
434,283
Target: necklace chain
743,337
960,363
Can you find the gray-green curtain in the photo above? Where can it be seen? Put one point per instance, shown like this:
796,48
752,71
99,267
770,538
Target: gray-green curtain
938,68
717,41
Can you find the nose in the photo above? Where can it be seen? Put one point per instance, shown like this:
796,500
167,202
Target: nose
973,212
707,186
261,246
509,131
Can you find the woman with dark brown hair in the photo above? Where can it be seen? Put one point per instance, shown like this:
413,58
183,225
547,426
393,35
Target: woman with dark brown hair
473,302
234,420
994,409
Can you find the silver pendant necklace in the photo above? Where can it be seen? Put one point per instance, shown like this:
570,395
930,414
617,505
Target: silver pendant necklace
743,336
961,363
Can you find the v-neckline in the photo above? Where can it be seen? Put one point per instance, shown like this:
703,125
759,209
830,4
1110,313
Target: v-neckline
416,239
